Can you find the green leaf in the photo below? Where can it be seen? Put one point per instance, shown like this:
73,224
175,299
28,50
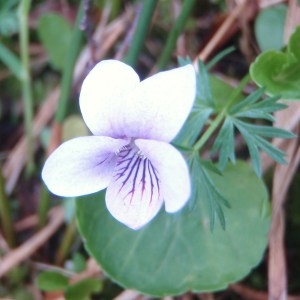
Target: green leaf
55,34
200,173
52,281
252,107
78,262
269,27
219,57
193,126
178,252
11,61
201,111
278,72
8,17
203,85
225,143
294,43
265,131
83,290
221,92
253,137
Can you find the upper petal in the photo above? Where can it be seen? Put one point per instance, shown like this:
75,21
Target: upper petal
134,196
102,95
159,105
81,166
173,172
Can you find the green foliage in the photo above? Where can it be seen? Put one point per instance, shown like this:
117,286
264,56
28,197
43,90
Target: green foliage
11,61
83,289
214,97
278,72
54,30
176,253
8,17
201,176
269,27
201,111
52,281
252,107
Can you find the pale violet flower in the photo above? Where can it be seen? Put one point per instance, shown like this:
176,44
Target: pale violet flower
133,123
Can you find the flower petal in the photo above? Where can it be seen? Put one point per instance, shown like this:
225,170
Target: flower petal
159,106
81,166
134,196
102,95
173,172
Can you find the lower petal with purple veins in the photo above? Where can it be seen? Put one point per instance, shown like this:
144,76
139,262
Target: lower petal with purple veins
134,195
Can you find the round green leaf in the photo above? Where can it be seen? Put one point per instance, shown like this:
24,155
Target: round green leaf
278,72
52,281
178,252
83,289
294,43
55,33
269,27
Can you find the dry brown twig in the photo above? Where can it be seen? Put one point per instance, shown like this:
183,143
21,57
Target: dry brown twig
16,256
250,294
283,176
222,32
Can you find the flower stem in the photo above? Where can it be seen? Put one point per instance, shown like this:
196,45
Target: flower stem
164,58
222,115
213,126
140,32
26,80
5,215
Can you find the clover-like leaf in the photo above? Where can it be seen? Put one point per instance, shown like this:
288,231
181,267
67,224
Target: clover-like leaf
278,72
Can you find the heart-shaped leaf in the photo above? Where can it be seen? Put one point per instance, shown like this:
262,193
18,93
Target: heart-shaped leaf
178,252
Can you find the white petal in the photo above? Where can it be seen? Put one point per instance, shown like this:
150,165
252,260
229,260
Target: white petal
134,196
159,105
81,166
102,94
173,172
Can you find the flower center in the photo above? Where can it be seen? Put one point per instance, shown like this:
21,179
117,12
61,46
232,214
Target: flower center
136,175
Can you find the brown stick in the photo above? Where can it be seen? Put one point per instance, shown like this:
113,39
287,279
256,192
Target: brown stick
215,40
21,253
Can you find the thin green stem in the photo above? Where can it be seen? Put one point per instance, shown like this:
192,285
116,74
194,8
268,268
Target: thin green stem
43,207
6,215
67,241
67,76
222,115
174,34
26,80
210,130
140,32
